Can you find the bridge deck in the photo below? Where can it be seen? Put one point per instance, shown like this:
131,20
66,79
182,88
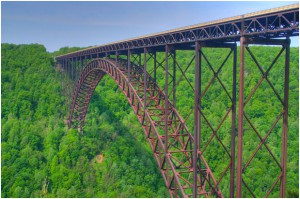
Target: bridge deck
272,23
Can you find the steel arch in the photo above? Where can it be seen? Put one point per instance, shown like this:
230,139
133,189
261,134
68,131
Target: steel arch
176,160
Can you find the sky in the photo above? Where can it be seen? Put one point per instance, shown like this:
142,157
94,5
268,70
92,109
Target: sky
59,24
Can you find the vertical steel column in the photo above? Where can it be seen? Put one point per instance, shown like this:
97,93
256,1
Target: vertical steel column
155,67
73,72
78,68
70,78
71,69
75,68
285,119
67,64
240,120
61,75
68,71
128,71
64,75
140,59
174,78
72,65
128,64
68,85
166,96
67,67
117,54
196,117
85,60
145,80
233,118
81,65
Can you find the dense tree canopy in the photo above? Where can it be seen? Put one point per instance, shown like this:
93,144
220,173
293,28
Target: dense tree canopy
42,158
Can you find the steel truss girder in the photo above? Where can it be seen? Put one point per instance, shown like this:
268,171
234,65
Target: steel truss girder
267,25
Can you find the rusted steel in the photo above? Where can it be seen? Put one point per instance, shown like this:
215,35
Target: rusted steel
264,76
166,98
174,78
285,119
155,67
274,23
233,125
178,152
128,64
145,79
240,120
140,59
214,131
173,169
196,119
117,56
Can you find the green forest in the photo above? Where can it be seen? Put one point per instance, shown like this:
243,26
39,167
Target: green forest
40,157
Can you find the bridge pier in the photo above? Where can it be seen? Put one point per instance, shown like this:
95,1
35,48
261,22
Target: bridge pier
167,49
128,64
155,66
199,147
145,84
197,118
240,122
285,44
233,123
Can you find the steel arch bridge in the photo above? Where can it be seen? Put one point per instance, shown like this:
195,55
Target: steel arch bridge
180,149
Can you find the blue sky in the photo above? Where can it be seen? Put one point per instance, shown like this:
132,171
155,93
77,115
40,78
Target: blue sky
59,24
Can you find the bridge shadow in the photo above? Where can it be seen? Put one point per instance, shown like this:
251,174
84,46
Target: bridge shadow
131,169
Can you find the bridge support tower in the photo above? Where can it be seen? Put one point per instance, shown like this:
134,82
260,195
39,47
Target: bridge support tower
243,118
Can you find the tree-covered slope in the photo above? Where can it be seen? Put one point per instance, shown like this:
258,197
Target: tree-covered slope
41,158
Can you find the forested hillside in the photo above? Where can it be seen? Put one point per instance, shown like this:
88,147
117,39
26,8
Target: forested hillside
41,158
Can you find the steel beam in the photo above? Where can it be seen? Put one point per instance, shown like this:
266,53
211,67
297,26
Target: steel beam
85,60
240,120
196,118
285,119
128,64
73,71
117,56
155,67
80,66
76,71
242,103
233,118
145,79
167,51
174,78
140,59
